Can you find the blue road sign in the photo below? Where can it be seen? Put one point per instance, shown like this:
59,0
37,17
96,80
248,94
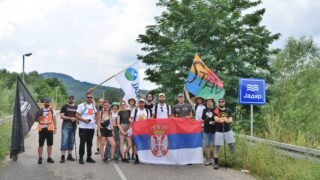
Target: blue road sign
252,91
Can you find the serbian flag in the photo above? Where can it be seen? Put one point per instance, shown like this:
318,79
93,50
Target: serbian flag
168,141
202,82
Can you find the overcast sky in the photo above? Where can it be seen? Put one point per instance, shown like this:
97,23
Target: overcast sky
91,40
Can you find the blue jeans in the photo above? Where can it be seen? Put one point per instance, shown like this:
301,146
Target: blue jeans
67,139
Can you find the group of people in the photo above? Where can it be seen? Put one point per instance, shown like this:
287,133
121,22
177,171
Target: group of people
113,126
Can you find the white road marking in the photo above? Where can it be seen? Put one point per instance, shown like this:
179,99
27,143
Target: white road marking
122,176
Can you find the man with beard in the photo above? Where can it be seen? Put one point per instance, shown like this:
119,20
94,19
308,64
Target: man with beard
69,125
223,120
47,127
86,113
161,110
99,107
149,103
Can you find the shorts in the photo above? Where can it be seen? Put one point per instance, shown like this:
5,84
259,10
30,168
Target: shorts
125,127
106,132
44,135
220,138
208,139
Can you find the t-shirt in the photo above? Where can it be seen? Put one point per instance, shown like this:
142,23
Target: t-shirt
45,112
69,111
162,111
227,126
114,117
142,114
198,111
207,117
149,107
124,116
181,110
88,113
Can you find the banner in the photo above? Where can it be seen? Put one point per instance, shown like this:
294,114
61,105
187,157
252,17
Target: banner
203,82
129,81
25,113
168,141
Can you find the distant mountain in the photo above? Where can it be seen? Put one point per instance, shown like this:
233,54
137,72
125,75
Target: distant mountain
79,88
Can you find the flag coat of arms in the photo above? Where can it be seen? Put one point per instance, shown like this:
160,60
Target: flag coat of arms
168,141
203,82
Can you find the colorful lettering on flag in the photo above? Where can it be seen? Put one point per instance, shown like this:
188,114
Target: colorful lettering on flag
203,82
168,141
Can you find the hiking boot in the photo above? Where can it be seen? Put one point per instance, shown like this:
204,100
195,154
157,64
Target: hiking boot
90,160
124,160
50,160
63,159
70,158
216,166
207,162
81,161
133,156
40,160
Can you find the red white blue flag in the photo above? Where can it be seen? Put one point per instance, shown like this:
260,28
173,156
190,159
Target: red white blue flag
168,141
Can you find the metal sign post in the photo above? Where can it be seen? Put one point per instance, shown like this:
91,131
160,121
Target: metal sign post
253,92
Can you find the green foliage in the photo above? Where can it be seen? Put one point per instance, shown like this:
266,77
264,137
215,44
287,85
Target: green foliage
232,43
5,139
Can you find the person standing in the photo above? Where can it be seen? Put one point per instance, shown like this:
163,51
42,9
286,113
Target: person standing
124,124
69,126
86,113
99,108
198,107
161,110
149,103
105,132
140,113
209,127
47,128
223,119
182,109
115,128
132,106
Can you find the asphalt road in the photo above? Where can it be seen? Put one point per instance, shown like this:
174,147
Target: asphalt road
27,168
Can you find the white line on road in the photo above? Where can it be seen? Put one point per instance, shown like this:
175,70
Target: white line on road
122,176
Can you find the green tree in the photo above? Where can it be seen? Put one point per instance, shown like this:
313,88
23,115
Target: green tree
230,41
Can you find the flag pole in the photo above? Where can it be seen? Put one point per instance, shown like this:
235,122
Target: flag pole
95,87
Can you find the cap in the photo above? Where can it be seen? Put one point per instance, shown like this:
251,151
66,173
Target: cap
46,100
162,94
198,97
132,99
115,104
142,100
71,97
180,94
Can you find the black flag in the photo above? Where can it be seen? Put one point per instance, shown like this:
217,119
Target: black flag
25,112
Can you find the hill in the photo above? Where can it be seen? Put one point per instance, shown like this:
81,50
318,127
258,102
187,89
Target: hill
79,88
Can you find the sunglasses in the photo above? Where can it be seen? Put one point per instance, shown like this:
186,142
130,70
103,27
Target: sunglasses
89,97
161,108
221,101
122,104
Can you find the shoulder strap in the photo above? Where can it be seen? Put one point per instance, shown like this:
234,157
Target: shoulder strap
135,114
156,111
85,108
195,108
168,107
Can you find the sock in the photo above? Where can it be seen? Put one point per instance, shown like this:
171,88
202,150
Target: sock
216,160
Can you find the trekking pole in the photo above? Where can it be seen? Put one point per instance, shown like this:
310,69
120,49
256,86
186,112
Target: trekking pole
75,144
224,147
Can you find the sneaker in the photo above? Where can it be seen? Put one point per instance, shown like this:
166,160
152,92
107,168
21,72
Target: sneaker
124,160
62,159
70,158
40,160
207,163
128,156
50,160
133,157
216,166
90,160
81,161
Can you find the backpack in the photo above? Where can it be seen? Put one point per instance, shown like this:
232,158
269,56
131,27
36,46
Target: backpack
156,110
136,111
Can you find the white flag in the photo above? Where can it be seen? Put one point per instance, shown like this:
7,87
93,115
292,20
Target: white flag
129,81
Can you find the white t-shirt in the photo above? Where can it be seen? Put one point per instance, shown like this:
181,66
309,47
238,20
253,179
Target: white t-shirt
88,113
200,108
142,114
114,116
162,111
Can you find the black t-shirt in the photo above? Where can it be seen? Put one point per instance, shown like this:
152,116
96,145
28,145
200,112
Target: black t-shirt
69,111
149,107
207,116
124,116
227,126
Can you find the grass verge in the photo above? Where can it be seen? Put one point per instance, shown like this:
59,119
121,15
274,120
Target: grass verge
5,139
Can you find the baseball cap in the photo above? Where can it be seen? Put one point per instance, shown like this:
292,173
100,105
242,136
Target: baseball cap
162,94
114,104
180,94
71,97
142,100
46,100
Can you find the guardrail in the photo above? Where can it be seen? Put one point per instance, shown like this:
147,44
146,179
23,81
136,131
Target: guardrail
297,152
6,119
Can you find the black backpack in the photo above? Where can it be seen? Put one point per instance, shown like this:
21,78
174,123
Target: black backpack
136,111
156,110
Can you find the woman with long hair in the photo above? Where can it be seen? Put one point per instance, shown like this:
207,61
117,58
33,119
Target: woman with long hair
124,124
